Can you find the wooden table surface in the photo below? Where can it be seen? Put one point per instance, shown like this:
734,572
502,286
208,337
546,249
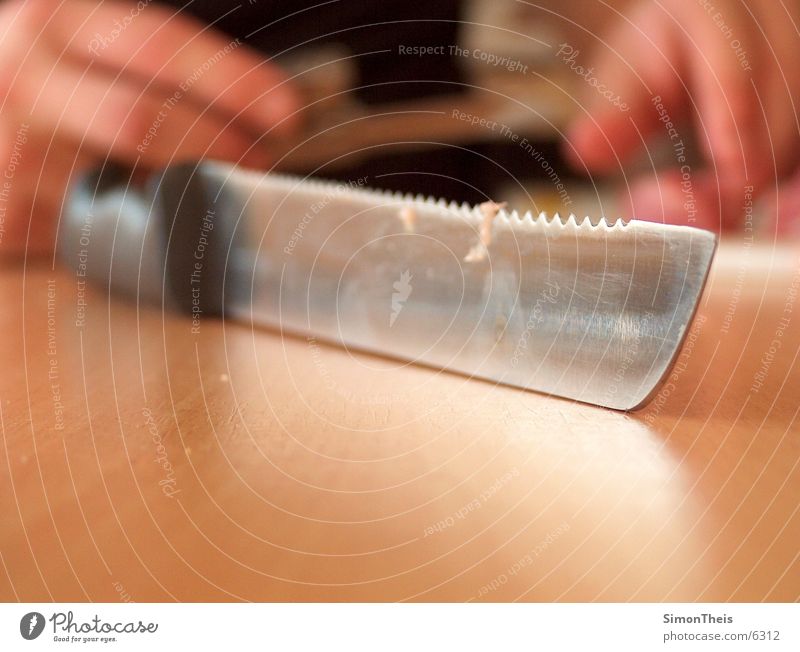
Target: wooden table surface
142,462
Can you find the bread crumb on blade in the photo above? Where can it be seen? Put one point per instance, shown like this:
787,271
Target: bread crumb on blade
479,251
409,218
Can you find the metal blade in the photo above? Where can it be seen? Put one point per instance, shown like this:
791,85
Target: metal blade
591,312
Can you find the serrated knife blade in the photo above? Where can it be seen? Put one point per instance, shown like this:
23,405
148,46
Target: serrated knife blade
594,312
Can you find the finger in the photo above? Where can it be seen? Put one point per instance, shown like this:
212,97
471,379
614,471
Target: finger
178,52
636,66
668,197
729,121
781,210
779,89
119,119
37,171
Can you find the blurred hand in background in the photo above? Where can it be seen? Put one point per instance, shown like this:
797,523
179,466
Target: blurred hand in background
84,81
725,66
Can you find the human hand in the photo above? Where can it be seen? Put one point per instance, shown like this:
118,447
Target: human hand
85,81
726,66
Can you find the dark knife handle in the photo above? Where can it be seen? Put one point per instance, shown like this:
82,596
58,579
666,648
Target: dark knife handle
165,240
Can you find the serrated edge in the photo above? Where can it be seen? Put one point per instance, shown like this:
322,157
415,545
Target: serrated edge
446,208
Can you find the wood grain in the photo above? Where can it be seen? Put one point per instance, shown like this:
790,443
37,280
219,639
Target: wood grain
140,461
